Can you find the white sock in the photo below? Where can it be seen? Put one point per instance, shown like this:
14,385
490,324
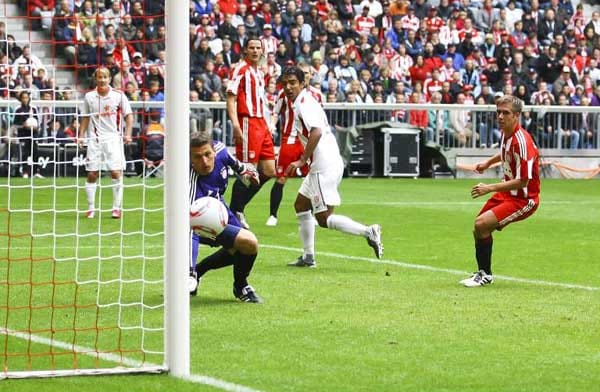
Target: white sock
307,232
346,225
90,192
117,190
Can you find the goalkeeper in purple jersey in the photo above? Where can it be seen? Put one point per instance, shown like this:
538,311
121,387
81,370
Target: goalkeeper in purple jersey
239,247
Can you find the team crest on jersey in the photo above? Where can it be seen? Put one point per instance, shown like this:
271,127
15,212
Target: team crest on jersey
251,154
224,172
316,199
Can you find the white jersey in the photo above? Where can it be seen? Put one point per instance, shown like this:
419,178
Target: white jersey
309,114
107,113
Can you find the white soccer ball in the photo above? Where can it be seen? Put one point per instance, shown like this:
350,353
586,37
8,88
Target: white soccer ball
208,217
30,123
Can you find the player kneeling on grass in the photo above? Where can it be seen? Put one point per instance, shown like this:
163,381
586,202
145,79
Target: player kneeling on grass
239,247
319,189
516,197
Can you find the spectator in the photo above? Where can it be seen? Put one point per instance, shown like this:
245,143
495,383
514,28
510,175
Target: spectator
458,60
486,125
25,120
30,61
127,29
548,27
419,71
332,89
522,93
113,15
158,43
437,120
414,46
212,82
542,95
132,91
589,125
268,41
138,15
418,118
565,79
334,28
121,79
549,65
460,125
569,125
252,28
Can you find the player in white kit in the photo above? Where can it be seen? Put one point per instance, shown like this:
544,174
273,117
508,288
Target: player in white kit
101,128
319,190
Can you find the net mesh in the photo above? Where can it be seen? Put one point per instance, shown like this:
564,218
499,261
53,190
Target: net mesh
75,293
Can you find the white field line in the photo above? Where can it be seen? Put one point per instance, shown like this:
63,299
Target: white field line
459,203
434,269
396,263
39,207
195,378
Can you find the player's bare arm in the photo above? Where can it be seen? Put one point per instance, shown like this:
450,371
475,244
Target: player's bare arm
128,128
238,137
505,186
311,144
83,126
482,166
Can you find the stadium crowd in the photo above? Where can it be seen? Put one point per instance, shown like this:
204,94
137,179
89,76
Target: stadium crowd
369,51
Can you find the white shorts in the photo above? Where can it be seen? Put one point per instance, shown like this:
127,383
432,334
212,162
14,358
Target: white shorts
107,153
322,188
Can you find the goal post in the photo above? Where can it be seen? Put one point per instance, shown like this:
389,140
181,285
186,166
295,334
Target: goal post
94,296
177,310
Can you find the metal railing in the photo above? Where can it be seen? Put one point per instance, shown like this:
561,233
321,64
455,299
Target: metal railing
451,126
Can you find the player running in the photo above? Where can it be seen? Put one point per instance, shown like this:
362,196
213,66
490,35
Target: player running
319,189
516,197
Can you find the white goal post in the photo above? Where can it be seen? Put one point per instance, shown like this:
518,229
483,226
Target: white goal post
97,296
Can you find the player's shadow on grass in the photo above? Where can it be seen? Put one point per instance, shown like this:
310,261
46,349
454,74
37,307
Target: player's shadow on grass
213,301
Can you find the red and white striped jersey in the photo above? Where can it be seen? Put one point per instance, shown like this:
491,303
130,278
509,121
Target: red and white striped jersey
247,83
364,24
106,112
410,22
285,113
269,44
520,160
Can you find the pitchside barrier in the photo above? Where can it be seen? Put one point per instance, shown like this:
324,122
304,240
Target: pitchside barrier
566,135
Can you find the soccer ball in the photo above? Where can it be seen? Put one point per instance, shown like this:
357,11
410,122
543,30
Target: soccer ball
30,123
208,217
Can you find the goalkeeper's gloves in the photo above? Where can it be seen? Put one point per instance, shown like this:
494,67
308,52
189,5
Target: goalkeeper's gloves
249,175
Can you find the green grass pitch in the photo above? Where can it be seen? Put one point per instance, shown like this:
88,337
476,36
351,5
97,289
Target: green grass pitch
352,324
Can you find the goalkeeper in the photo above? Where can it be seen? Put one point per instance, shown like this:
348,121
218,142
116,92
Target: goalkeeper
210,161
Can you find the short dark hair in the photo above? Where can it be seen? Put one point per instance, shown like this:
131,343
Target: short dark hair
295,71
252,38
199,139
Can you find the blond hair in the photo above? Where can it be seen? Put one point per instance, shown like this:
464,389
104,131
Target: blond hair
516,104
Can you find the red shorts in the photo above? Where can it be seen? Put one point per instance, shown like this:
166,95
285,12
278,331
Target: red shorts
509,209
289,153
258,145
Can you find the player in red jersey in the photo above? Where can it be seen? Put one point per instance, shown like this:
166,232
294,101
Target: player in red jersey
516,197
291,148
247,109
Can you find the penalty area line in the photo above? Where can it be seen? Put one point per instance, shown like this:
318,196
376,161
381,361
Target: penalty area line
134,364
423,267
